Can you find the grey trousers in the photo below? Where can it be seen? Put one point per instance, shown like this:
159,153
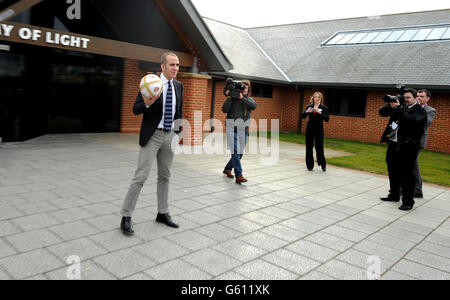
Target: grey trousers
417,177
159,148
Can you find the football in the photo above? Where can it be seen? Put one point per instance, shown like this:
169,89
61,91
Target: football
151,86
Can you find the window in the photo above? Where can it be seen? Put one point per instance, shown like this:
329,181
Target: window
357,38
390,35
408,35
381,37
346,102
336,39
436,34
446,34
395,35
261,90
347,38
421,35
369,37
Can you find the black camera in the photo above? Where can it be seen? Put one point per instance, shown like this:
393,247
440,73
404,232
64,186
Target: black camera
400,96
235,87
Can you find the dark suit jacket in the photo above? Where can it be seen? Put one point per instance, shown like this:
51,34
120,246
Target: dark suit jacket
153,114
411,124
316,120
431,114
387,111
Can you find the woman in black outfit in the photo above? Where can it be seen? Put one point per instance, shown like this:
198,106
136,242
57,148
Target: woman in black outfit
317,113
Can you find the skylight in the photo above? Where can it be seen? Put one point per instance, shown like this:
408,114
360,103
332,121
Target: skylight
390,35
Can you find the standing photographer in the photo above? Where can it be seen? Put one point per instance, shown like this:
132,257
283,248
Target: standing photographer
409,130
392,157
238,108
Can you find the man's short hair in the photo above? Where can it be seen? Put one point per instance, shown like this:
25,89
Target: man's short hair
412,91
425,91
165,55
248,84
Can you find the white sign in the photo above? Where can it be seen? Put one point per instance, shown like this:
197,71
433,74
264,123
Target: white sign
48,37
66,40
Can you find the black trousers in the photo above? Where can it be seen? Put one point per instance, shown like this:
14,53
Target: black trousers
314,137
401,160
408,159
394,169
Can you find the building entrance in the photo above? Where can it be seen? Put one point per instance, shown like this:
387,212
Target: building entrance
57,91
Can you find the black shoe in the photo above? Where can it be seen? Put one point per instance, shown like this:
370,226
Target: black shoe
418,195
405,207
389,198
127,226
165,219
324,168
310,169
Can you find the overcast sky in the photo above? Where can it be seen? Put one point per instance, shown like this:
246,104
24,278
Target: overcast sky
254,13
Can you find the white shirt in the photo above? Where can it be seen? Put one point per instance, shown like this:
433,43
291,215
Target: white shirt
413,104
166,83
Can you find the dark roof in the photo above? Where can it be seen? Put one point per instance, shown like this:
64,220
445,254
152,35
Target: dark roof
139,22
297,50
146,17
247,57
195,27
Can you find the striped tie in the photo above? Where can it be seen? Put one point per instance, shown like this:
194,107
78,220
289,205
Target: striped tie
168,115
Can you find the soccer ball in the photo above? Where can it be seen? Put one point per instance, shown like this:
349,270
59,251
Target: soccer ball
151,86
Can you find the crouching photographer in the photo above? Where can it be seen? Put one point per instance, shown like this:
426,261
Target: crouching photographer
403,134
238,107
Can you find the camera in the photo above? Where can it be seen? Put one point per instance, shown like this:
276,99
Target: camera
235,87
400,96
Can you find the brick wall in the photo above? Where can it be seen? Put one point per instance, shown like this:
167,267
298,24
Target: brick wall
197,98
132,75
291,109
284,105
370,128
367,129
438,133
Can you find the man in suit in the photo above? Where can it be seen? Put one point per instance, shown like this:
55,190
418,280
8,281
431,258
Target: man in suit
157,132
409,130
238,112
423,96
392,158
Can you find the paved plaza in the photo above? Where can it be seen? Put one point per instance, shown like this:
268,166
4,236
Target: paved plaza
60,197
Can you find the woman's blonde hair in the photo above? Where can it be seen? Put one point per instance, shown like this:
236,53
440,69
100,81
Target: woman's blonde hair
311,101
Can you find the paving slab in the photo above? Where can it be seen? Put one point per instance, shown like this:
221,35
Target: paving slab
60,195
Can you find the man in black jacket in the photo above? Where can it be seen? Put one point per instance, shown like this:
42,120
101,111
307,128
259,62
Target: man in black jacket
157,132
392,157
238,112
406,132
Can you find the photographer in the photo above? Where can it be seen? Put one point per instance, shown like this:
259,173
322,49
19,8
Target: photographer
392,157
407,128
238,108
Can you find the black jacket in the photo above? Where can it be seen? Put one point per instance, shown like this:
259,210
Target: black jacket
153,114
411,124
239,109
387,111
316,120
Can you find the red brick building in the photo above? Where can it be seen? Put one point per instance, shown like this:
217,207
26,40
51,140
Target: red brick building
93,89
